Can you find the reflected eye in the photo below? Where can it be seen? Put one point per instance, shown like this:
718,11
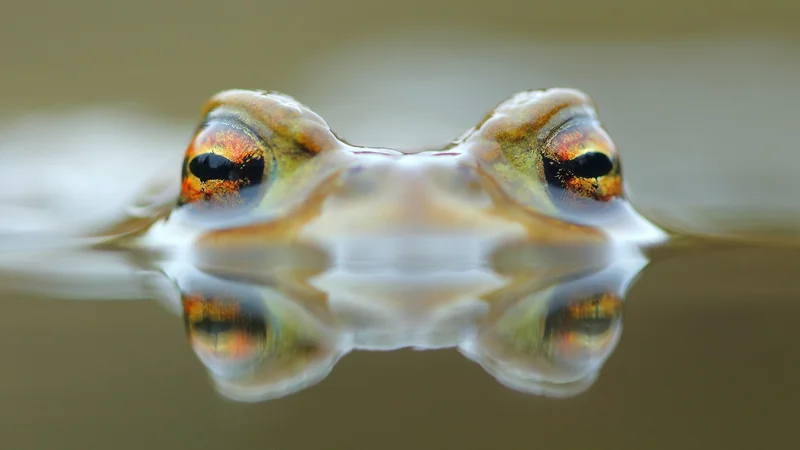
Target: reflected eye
226,329
568,329
235,332
225,166
581,166
256,343
583,327
559,335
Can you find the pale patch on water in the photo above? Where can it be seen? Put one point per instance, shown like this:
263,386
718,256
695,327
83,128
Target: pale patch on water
68,172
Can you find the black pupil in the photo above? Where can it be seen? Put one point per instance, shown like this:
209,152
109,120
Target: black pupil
590,165
594,324
211,166
253,326
249,318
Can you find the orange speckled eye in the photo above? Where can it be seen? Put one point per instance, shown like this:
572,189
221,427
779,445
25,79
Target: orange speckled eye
581,166
584,326
551,152
226,165
225,328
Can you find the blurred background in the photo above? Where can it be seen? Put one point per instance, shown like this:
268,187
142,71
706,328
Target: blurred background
701,98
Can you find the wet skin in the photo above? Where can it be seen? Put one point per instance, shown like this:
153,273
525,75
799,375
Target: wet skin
289,247
261,341
309,247
263,169
286,247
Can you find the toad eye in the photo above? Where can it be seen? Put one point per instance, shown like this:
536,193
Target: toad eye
581,167
225,166
549,151
254,148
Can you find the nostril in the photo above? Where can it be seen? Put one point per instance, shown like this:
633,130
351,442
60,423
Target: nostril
357,182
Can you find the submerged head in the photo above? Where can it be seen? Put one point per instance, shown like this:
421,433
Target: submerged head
539,167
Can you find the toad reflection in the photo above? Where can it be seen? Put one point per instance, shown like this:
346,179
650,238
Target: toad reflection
290,247
543,332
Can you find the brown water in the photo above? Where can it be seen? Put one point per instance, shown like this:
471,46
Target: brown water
705,359
701,101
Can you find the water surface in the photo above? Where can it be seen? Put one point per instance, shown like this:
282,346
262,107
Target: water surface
99,101
705,359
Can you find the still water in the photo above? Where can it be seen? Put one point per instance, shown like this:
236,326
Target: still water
391,340
697,352
678,346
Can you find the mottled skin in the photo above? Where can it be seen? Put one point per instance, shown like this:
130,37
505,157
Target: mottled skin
274,207
539,168
287,247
